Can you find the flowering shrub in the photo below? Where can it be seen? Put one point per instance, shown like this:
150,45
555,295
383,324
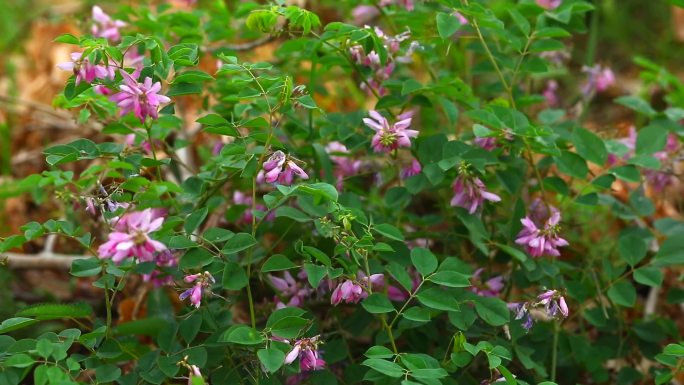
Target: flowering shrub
413,201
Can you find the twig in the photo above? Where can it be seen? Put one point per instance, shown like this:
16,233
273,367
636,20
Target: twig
42,260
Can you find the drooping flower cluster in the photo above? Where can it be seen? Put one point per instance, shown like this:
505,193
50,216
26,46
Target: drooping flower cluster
539,240
470,192
288,287
203,282
353,291
388,138
382,71
489,288
143,99
86,71
131,238
599,79
306,349
280,168
551,303
345,166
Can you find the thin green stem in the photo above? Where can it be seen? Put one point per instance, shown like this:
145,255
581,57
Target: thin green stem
554,351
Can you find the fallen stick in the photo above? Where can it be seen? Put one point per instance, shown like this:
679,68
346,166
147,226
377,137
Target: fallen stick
44,260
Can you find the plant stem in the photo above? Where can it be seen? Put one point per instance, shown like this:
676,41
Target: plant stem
554,351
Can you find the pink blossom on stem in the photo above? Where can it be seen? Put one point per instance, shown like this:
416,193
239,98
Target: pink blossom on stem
550,93
163,259
306,349
344,165
194,373
414,169
202,282
470,193
289,287
542,241
488,144
353,291
461,19
143,99
389,138
280,168
554,303
131,238
84,70
105,27
599,79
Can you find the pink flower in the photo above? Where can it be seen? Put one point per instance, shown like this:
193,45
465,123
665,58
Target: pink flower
461,19
599,79
549,93
362,14
488,144
414,169
306,349
543,241
345,166
388,138
554,303
280,168
194,373
106,27
131,238
203,281
140,98
470,193
490,288
163,259
84,70
288,287
549,4
408,4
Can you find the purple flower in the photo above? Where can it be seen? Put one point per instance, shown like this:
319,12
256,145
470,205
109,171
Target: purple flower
280,168
203,281
165,258
408,4
599,79
549,4
388,138
521,311
106,27
554,303
362,14
550,94
544,241
131,238
461,19
306,349
470,193
140,98
489,288
84,70
353,291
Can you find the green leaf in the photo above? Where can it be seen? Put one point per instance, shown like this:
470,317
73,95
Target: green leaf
450,279
378,351
67,38
195,258
447,24
315,274
377,303
651,139
671,252
648,275
20,360
239,242
192,76
572,164
492,310
632,248
622,293
242,335
637,104
44,348
107,373
385,367
628,173
12,324
389,231
234,277
437,299
520,21
55,311
423,260
277,262
292,213
417,314
317,254
271,358
193,220
289,327
589,146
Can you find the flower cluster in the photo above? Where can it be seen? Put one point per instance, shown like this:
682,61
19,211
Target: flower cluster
539,240
379,71
86,71
345,166
551,303
549,4
143,99
599,79
470,192
287,287
131,238
388,137
489,288
353,291
105,26
203,282
280,168
306,349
